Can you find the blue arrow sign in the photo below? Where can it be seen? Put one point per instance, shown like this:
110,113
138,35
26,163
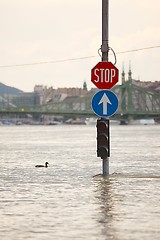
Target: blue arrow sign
104,103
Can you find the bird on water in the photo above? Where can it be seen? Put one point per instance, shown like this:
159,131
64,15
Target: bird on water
46,165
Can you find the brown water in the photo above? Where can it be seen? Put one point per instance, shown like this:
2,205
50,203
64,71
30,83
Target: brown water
67,200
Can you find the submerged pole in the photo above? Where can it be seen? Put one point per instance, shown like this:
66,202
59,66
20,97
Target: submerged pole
105,166
105,50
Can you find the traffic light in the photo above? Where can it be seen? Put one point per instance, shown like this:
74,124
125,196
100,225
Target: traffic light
103,138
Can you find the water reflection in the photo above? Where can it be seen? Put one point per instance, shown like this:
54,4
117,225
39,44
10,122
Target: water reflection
104,198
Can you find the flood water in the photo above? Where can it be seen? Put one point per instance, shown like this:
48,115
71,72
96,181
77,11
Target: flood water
66,200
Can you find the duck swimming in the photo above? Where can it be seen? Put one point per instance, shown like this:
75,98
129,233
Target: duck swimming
46,165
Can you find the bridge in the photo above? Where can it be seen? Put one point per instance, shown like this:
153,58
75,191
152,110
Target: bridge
135,102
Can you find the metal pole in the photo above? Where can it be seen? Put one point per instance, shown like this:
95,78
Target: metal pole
105,50
105,38
106,167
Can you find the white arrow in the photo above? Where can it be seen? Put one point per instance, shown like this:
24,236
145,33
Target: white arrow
105,100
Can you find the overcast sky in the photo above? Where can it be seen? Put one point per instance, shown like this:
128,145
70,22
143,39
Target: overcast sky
34,31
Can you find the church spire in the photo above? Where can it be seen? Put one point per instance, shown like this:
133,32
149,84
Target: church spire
85,86
130,72
123,74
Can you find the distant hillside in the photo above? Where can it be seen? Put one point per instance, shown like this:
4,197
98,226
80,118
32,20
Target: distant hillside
4,89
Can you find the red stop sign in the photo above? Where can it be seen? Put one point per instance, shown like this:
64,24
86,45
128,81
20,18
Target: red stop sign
104,75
